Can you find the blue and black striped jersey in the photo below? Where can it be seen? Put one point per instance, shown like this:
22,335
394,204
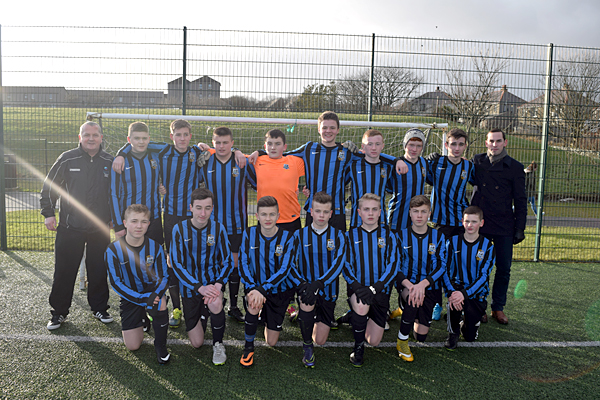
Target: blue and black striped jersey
320,257
137,184
449,197
367,178
422,256
403,188
179,175
227,182
266,262
137,274
371,257
200,257
468,266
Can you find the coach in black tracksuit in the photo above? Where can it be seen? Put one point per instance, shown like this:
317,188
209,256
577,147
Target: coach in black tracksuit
80,178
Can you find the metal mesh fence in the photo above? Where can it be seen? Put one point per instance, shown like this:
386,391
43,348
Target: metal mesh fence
546,98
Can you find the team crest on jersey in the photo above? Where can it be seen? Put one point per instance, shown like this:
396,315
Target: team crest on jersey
285,166
153,164
106,172
235,172
381,242
431,248
383,172
192,157
341,155
210,240
279,250
330,244
463,174
423,172
479,255
149,260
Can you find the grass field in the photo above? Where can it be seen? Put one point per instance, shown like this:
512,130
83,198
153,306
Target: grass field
550,349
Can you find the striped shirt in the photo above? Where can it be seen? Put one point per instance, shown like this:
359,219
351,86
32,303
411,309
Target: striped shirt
367,178
422,256
137,184
320,257
449,197
137,274
403,188
371,257
266,262
200,256
468,266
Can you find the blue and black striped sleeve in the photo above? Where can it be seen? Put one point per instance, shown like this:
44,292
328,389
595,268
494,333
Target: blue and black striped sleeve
438,261
115,202
224,258
178,253
391,259
246,263
162,273
339,259
483,272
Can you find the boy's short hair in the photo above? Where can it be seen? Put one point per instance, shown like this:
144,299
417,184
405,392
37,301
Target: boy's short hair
90,123
413,134
418,201
136,208
275,134
457,133
371,133
266,201
223,131
329,115
180,123
499,130
473,210
138,127
323,198
201,194
368,196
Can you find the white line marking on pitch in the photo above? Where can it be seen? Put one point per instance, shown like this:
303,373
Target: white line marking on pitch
291,343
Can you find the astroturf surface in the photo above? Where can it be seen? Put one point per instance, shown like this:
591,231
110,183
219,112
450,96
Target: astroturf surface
550,349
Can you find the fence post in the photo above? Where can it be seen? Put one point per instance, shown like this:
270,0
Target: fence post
371,79
3,241
544,151
184,75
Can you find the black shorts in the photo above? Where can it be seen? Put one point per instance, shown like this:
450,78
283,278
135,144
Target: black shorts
338,221
273,311
194,310
324,311
449,230
235,241
421,314
155,231
132,315
378,311
291,226
169,223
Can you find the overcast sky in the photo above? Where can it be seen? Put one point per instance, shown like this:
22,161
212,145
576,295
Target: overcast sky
562,22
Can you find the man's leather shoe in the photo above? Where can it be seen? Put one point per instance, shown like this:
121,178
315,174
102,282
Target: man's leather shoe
484,318
500,317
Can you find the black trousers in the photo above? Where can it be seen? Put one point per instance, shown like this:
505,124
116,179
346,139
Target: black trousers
68,251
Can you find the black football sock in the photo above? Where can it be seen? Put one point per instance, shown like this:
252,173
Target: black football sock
306,320
217,322
234,288
250,327
359,325
174,291
160,323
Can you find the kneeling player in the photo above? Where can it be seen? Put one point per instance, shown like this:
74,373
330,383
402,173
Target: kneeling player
371,264
319,260
470,258
138,273
265,260
422,264
201,260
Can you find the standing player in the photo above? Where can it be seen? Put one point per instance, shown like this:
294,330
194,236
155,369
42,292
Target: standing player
265,261
318,261
138,273
470,259
80,178
201,260
138,184
370,267
226,179
179,177
423,262
278,176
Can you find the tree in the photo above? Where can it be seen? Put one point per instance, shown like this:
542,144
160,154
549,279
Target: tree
317,97
470,86
391,86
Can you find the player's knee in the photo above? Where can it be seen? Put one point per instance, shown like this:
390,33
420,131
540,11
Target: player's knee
196,343
361,309
132,346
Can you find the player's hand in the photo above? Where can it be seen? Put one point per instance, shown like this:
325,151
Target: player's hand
353,148
156,300
364,295
519,236
456,300
256,299
50,223
306,191
203,158
416,294
203,146
121,233
240,159
118,164
162,189
401,167
253,157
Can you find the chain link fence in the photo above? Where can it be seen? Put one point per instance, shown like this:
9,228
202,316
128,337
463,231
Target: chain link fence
545,97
